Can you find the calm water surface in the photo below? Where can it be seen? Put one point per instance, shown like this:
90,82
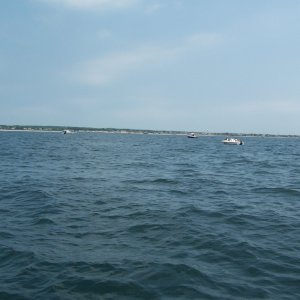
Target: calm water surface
109,216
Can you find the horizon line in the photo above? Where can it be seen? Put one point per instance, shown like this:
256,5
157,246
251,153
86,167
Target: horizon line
29,127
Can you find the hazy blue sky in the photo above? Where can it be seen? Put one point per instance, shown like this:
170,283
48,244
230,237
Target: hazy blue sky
196,65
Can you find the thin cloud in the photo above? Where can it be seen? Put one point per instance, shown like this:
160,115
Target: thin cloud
104,34
102,71
153,8
93,4
203,39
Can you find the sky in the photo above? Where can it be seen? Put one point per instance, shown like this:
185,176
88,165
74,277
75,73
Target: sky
191,65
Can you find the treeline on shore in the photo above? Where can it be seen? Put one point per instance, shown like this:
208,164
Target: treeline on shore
135,131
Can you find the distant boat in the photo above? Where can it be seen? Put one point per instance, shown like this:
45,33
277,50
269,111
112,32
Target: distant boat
66,131
233,141
192,135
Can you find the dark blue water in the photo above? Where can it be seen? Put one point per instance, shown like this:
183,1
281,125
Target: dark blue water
109,216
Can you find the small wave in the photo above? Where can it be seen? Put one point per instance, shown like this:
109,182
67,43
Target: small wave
100,202
6,235
44,221
175,269
11,296
179,280
82,280
165,180
278,190
36,195
12,257
79,178
192,210
221,192
111,288
81,267
151,181
179,192
142,228
241,219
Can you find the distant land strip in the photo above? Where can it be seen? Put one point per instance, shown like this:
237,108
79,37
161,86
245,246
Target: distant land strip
131,131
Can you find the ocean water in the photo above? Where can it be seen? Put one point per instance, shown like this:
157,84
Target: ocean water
111,216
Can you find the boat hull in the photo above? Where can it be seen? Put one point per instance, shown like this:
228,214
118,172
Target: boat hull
192,135
233,142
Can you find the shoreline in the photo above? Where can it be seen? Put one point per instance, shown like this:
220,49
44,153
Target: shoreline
200,135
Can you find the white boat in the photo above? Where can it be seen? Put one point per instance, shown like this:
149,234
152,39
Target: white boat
233,141
192,135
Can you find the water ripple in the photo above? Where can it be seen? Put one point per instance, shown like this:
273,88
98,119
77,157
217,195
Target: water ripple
99,216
